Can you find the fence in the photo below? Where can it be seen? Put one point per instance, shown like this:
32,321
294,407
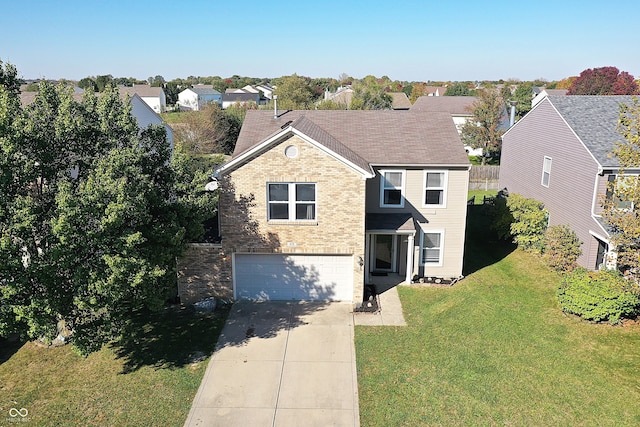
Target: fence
484,177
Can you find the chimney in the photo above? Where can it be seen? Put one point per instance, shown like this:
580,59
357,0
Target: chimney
275,106
512,117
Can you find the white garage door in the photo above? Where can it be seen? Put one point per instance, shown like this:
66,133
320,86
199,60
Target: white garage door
293,277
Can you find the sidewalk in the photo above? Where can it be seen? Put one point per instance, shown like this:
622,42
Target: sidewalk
390,313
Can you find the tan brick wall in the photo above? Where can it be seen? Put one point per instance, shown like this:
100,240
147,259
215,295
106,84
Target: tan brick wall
340,206
204,271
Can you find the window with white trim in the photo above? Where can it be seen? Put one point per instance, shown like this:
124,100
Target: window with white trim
392,188
435,188
624,186
546,171
291,201
431,247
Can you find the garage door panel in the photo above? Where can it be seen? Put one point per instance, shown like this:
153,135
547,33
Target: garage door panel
293,277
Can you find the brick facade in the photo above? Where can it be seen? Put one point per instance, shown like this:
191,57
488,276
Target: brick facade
339,229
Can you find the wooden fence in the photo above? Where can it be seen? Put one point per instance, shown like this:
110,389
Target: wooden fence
484,177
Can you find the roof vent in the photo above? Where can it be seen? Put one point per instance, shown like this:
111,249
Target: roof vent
286,124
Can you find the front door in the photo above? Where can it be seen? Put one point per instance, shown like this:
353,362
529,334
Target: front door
383,254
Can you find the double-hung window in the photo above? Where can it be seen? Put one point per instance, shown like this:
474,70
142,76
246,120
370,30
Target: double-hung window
621,189
431,247
392,188
292,201
546,171
435,188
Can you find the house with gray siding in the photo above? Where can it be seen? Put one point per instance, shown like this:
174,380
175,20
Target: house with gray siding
314,205
560,154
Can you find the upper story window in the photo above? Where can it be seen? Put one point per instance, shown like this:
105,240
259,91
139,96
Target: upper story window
291,201
435,188
392,188
546,171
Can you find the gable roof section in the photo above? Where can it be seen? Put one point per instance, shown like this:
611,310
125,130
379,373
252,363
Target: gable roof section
204,90
400,101
454,105
362,138
594,119
143,90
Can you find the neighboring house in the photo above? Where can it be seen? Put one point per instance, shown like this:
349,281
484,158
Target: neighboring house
559,154
316,204
435,90
540,93
400,101
459,107
241,96
342,96
194,98
146,116
143,113
267,90
154,97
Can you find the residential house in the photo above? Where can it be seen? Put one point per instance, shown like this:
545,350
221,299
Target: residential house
314,205
459,107
153,96
559,154
242,96
342,96
539,93
194,98
435,90
400,101
267,90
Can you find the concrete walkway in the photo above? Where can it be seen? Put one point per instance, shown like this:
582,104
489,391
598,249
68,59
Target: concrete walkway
389,314
281,364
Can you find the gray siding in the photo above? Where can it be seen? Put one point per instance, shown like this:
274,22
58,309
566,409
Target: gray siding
570,194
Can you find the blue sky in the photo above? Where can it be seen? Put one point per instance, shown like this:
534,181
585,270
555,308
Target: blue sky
404,40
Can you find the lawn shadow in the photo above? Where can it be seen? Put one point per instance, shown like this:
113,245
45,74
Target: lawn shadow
482,245
8,347
171,338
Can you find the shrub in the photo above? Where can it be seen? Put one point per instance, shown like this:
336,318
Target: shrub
562,248
530,220
599,295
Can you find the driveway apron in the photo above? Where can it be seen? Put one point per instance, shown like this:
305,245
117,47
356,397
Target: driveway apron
281,364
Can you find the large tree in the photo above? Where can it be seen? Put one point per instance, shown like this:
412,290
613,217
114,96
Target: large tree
484,129
459,89
369,94
603,81
622,204
91,216
295,93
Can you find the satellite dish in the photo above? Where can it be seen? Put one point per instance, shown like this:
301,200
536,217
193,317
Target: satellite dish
211,186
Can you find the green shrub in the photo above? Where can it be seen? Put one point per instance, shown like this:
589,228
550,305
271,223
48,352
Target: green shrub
530,220
599,295
562,248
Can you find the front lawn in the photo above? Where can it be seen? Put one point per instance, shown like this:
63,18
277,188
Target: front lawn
148,379
495,349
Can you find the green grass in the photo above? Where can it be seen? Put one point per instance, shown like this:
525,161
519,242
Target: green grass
144,380
479,194
495,349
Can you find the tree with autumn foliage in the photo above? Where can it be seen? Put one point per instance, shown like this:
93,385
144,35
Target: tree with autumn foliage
484,130
603,81
622,206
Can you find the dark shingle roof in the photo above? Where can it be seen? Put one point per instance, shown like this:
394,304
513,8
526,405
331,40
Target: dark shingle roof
454,105
205,90
377,137
594,118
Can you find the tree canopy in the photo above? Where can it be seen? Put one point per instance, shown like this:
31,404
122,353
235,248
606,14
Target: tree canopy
459,89
484,130
603,81
92,216
622,204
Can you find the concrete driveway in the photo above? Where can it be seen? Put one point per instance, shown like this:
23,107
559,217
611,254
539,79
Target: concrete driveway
281,364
